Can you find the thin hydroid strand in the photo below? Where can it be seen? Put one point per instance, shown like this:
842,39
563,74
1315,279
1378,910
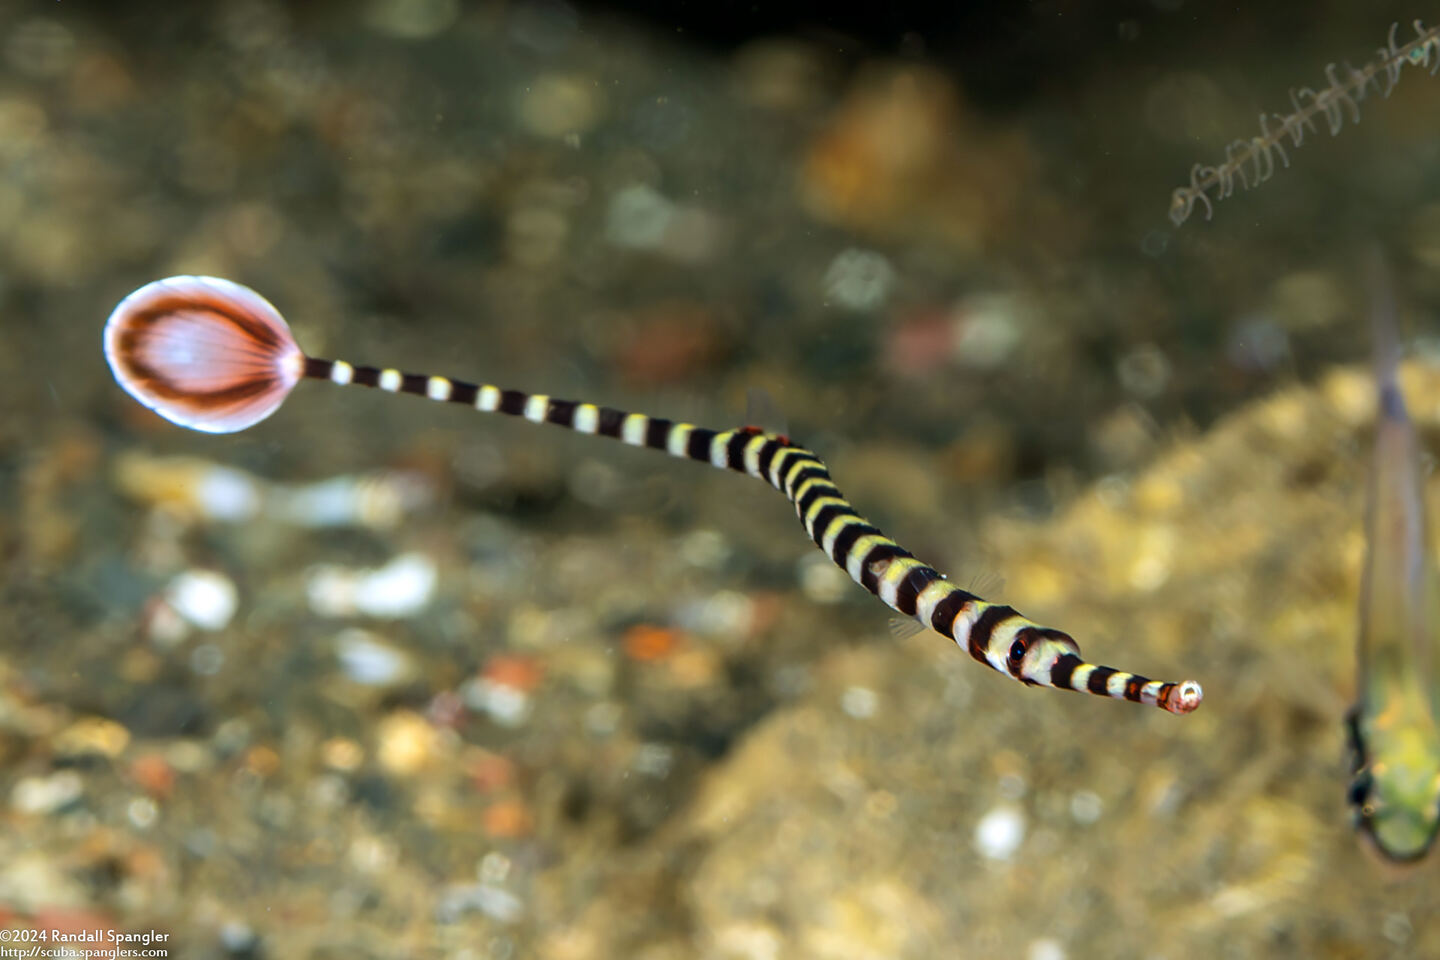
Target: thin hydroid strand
1252,161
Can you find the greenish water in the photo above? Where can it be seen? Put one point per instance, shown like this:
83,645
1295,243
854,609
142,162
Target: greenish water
544,696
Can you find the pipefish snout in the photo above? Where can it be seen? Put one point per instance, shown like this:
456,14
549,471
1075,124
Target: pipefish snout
215,356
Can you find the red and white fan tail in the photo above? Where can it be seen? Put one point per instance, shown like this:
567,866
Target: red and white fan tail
203,352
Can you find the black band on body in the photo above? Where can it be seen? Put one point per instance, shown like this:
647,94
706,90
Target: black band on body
984,626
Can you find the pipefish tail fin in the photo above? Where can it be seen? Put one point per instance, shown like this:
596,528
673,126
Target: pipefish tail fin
1393,726
203,352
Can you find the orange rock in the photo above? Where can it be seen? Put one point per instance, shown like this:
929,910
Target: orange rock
696,667
669,343
920,342
902,155
153,774
73,921
886,141
342,753
509,818
146,863
262,761
489,772
646,642
765,610
517,672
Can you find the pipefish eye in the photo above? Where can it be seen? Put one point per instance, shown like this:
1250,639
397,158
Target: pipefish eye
1360,791
1018,649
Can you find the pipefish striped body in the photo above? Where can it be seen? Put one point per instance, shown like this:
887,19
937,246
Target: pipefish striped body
1395,724
215,356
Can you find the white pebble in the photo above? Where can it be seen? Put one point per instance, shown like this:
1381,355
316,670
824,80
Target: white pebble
142,812
1396,928
227,495
207,660
46,794
328,791
165,627
655,760
499,904
1000,832
370,854
749,941
1046,948
1086,806
370,661
401,588
237,937
1144,371
1012,786
603,719
493,901
504,704
494,868
331,591
641,218
821,581
707,549
377,500
638,217
859,280
726,614
204,598
859,702
988,329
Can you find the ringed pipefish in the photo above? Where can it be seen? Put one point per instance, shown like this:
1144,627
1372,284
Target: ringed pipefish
214,356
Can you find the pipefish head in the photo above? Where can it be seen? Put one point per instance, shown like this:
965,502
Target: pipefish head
1396,789
1041,656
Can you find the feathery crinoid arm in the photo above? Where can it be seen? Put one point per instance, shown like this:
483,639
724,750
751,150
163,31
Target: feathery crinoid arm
1252,161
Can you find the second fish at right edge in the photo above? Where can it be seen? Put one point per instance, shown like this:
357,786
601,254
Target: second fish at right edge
1395,722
